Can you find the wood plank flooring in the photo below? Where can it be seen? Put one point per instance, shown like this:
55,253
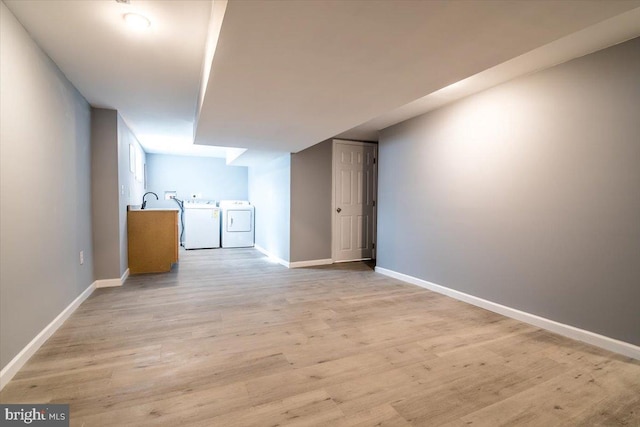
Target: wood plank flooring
231,339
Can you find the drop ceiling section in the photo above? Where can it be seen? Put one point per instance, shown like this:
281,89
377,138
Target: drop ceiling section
287,75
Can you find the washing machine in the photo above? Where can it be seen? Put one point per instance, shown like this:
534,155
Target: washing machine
237,224
201,225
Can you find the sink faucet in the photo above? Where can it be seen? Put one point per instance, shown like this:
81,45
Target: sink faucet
144,202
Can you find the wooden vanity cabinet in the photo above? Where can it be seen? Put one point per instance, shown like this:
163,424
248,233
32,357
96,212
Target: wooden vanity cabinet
152,237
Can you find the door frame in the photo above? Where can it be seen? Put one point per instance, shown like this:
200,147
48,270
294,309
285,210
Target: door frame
334,142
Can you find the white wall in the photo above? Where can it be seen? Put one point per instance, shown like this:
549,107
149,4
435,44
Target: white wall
526,194
45,208
208,176
270,193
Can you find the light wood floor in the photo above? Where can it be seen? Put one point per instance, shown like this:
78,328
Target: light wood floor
230,339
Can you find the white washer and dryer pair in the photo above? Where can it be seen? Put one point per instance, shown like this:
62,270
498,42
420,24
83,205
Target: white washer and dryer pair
237,224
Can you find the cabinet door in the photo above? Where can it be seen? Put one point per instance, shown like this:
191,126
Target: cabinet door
152,240
239,221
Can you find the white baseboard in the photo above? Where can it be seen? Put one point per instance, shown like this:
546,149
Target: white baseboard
296,264
310,263
125,276
110,283
21,358
271,256
611,344
338,261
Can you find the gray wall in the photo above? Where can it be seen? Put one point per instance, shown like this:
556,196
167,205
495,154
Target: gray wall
270,193
113,187
526,194
311,171
105,193
45,208
131,186
208,176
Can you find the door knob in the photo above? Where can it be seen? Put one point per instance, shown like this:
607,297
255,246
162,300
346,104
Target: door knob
338,210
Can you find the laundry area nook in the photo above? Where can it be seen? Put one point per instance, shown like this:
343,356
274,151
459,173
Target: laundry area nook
201,221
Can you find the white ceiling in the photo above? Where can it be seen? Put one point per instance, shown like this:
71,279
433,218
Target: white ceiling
151,77
288,74
591,39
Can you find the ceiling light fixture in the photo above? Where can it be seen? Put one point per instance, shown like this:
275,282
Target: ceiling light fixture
137,21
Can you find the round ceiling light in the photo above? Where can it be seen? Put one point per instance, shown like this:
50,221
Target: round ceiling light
137,21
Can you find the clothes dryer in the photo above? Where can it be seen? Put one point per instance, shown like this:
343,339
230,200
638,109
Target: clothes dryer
237,224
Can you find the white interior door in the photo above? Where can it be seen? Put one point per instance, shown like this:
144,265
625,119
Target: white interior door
354,169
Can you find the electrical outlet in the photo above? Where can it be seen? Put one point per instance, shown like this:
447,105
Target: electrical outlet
81,257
